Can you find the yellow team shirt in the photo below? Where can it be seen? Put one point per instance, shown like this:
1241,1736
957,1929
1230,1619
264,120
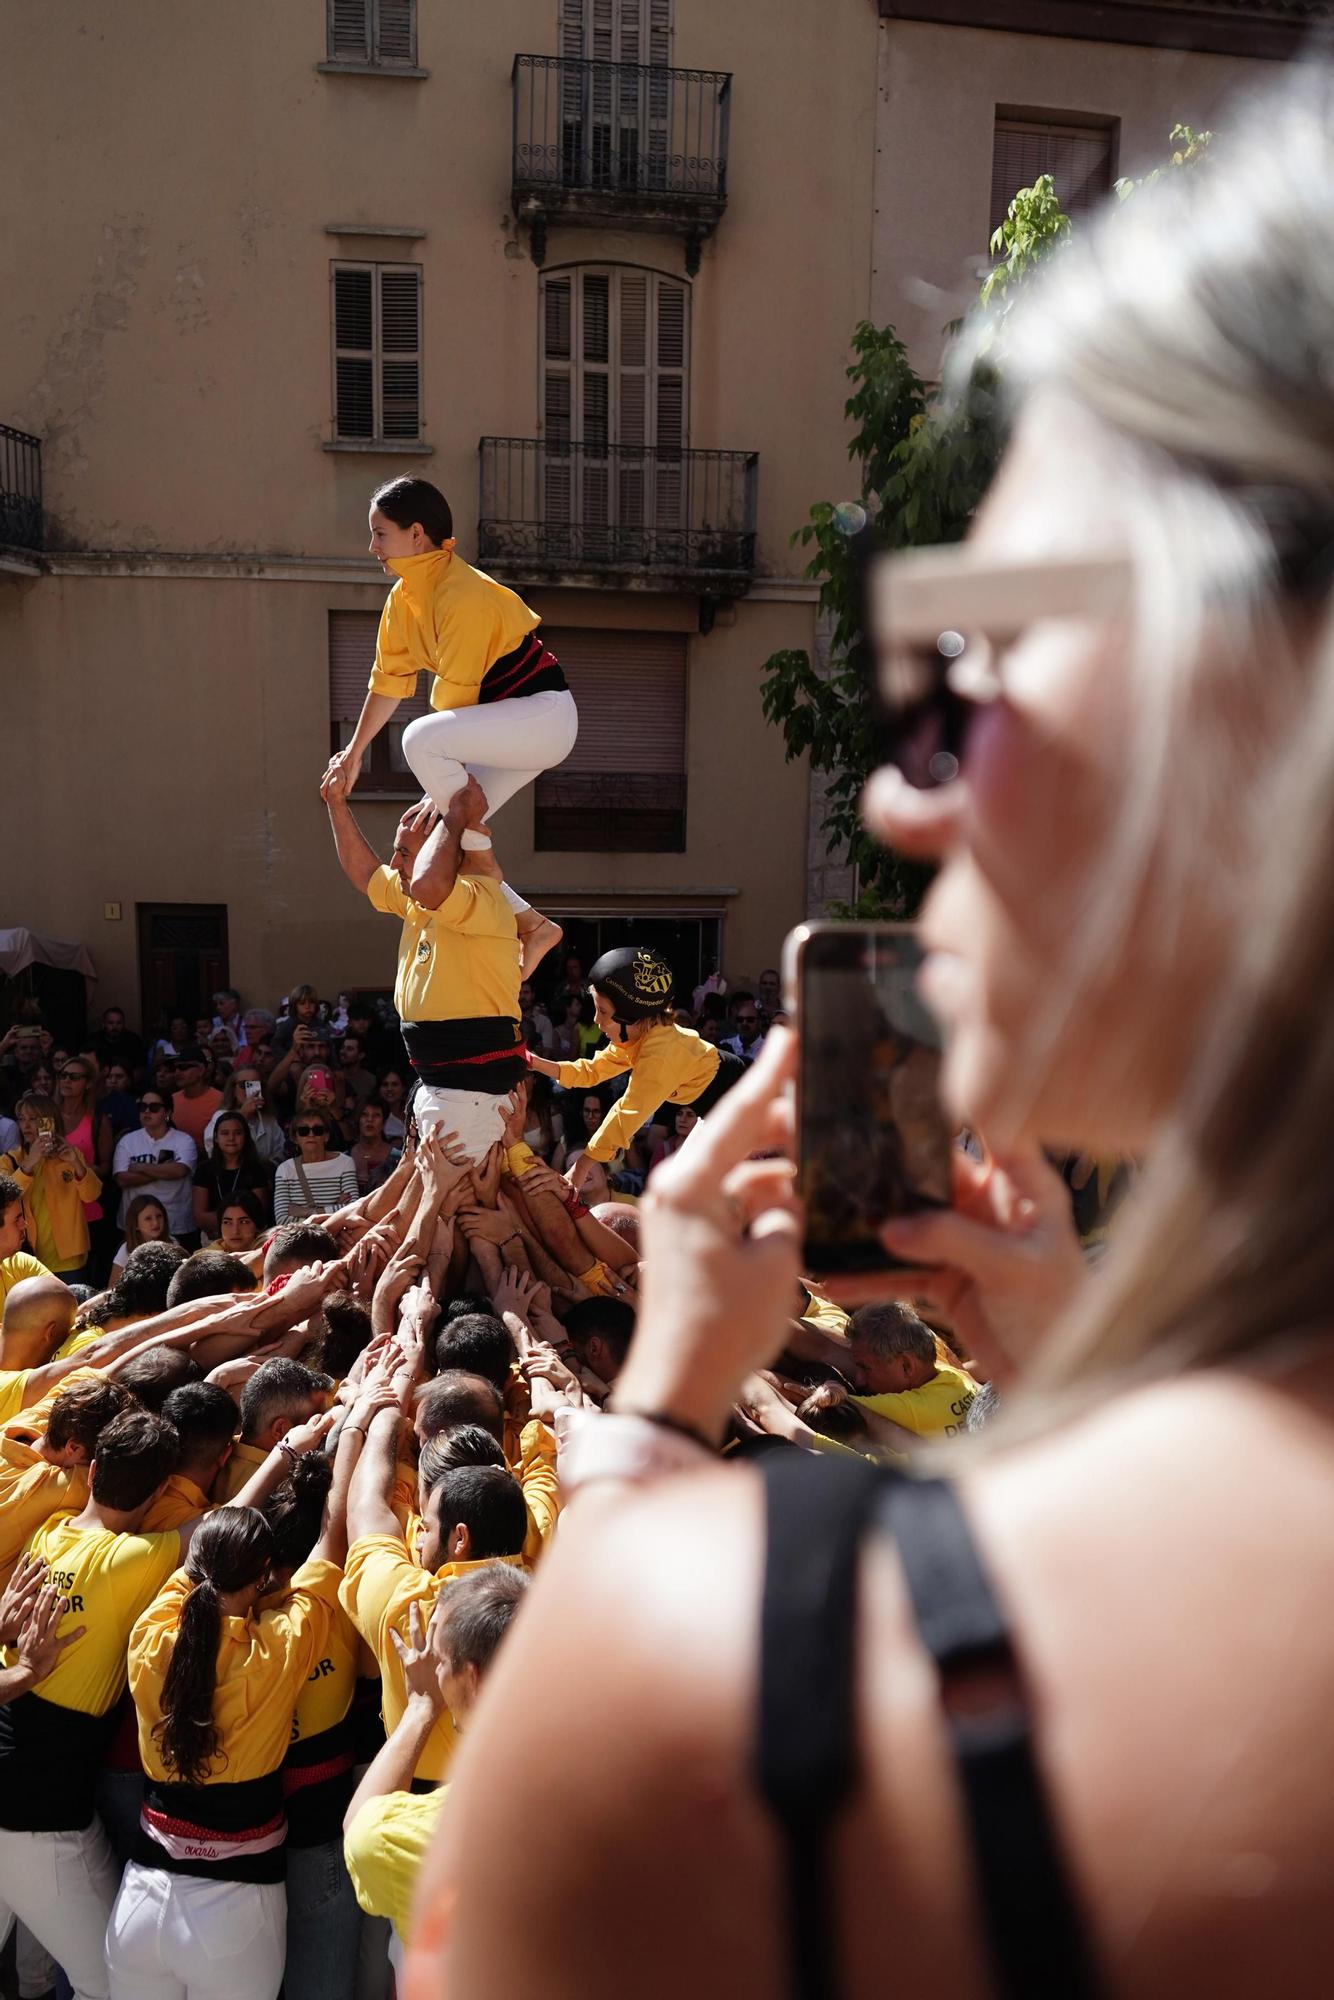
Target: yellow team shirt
381,1583
179,1501
667,1065
384,1849
447,619
937,1409
31,1423
262,1662
108,1579
326,1693
13,1382
85,1336
32,1490
13,1270
239,1470
457,963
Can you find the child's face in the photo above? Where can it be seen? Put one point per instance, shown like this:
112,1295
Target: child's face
153,1225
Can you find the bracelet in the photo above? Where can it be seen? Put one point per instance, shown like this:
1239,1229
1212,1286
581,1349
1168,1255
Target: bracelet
360,1429
677,1425
293,1457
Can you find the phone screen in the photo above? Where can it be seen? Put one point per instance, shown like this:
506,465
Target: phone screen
873,1141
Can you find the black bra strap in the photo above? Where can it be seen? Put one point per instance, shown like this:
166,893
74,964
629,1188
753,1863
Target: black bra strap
805,1752
1034,1927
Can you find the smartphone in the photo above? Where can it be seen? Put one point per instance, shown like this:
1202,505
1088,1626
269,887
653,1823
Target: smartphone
872,1139
251,1091
46,1126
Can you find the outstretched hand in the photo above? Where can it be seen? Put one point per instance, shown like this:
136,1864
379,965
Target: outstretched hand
416,1656
721,1235
341,774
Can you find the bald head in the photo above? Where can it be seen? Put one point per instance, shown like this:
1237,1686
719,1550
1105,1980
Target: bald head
39,1313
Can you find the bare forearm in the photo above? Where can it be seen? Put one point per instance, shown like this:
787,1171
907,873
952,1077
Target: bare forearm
437,866
376,710
368,1509
356,857
392,1768
332,1544
605,1244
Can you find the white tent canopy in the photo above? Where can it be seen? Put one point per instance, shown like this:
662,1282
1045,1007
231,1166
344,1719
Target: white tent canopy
19,949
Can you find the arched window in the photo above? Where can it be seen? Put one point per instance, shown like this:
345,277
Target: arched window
615,398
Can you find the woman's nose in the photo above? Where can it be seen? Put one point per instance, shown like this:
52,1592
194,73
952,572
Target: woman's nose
923,823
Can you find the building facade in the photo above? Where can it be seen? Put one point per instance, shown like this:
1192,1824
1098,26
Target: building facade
590,266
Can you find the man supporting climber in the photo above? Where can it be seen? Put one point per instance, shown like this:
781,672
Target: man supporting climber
457,990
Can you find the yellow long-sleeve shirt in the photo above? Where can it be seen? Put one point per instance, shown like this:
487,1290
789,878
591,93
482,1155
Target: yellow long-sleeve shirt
668,1065
262,1665
449,620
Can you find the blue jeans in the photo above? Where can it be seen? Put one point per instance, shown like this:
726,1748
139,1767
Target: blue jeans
323,1925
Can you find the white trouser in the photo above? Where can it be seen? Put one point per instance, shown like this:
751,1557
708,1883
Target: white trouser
503,744
475,1118
62,1886
179,1937
34,1965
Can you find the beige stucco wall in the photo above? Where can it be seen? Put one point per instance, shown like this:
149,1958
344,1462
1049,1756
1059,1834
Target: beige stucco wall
174,729
171,173
939,88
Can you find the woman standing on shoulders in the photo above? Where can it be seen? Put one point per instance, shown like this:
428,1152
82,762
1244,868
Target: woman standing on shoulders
501,711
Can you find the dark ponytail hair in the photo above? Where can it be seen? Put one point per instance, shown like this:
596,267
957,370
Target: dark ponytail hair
232,1547
295,1513
409,500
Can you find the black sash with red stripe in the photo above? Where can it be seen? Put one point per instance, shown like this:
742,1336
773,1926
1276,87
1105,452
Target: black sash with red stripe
531,668
484,1053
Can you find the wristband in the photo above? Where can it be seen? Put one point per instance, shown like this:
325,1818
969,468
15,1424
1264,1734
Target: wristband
293,1457
665,1422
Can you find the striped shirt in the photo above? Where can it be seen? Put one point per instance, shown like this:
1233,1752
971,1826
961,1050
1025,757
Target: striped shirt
332,1184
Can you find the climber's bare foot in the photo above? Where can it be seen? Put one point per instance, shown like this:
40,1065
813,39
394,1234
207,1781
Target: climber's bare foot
537,936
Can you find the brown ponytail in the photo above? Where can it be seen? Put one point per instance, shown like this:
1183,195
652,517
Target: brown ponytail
232,1547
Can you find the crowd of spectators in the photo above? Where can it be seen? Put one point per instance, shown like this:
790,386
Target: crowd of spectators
233,1278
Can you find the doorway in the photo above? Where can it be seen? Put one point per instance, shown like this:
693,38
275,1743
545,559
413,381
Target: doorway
182,960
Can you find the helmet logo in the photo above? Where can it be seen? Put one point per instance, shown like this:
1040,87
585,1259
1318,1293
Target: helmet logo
652,979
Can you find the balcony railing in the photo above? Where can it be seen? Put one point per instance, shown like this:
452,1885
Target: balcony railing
20,489
551,509
599,141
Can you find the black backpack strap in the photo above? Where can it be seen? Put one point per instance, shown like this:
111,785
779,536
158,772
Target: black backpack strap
817,1508
1036,1932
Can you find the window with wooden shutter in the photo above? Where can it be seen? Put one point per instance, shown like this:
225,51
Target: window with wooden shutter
623,787
377,351
351,657
610,120
373,31
616,405
1078,157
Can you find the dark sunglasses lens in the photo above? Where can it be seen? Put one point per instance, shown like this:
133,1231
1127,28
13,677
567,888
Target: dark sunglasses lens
921,723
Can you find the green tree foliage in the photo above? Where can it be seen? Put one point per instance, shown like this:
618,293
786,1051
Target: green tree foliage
922,467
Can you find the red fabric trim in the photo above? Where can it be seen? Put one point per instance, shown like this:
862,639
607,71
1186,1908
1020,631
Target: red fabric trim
297,1776
185,1829
492,1055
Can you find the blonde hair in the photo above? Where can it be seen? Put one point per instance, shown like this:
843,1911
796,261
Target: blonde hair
1191,327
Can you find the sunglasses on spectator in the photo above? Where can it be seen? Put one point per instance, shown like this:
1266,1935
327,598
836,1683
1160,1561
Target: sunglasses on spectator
151,1104
936,619
308,1131
74,1076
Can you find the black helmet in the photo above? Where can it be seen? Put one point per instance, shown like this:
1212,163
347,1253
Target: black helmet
636,981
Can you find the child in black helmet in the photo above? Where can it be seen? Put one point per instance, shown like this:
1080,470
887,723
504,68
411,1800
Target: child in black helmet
632,1000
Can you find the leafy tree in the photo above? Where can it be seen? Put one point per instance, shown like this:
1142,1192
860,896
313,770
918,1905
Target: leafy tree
923,466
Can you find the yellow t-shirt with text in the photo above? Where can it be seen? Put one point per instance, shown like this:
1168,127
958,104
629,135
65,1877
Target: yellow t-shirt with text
109,1579
937,1409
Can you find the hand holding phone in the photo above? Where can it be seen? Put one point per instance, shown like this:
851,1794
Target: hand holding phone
873,1141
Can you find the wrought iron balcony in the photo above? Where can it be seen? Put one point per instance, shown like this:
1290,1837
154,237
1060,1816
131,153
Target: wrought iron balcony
606,143
598,512
20,489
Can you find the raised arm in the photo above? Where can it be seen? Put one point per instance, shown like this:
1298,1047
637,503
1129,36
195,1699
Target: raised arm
393,1766
356,857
